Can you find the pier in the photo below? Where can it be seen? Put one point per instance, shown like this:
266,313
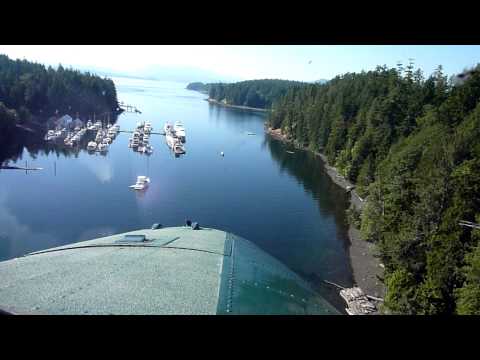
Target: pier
132,131
128,108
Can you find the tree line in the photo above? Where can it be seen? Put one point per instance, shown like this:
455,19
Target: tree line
252,93
30,91
410,144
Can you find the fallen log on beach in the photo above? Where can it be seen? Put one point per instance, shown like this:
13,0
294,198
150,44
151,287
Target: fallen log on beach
358,303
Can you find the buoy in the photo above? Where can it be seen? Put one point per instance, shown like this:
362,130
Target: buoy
221,153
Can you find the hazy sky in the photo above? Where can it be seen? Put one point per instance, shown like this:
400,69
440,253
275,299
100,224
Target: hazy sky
250,62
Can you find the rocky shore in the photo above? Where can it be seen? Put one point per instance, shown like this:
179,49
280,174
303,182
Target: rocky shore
366,268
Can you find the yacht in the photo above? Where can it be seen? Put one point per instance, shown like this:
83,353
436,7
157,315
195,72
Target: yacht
179,130
102,147
167,128
141,184
174,144
92,145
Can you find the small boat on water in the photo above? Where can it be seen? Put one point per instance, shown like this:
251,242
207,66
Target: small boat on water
145,149
92,145
50,135
168,128
141,184
103,148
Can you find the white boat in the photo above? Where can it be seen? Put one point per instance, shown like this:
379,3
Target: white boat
107,141
174,144
50,135
167,128
102,147
179,130
142,183
92,145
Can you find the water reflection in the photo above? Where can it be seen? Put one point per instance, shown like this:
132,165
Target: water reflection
308,170
16,238
100,167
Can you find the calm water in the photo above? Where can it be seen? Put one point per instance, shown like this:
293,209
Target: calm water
283,202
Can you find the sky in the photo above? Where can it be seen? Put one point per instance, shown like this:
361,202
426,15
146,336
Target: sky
244,62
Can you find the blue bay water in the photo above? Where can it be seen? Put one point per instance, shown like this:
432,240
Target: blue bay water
285,203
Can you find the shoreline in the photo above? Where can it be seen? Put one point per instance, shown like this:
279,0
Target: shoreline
365,267
212,101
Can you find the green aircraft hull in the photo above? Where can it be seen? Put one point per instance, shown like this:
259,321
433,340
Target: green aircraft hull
175,270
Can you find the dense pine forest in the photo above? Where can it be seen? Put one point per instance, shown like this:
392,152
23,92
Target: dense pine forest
252,93
412,147
31,92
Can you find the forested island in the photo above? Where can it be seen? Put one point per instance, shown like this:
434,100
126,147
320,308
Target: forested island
259,94
31,94
198,86
411,145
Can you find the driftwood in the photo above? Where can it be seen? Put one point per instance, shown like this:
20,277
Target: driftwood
358,303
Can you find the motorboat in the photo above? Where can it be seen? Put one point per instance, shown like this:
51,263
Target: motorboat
168,128
179,130
145,149
92,145
102,147
50,135
141,184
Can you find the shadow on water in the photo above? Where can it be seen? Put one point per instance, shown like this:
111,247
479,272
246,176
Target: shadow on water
332,201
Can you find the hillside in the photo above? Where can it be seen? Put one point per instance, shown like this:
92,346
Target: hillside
411,145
